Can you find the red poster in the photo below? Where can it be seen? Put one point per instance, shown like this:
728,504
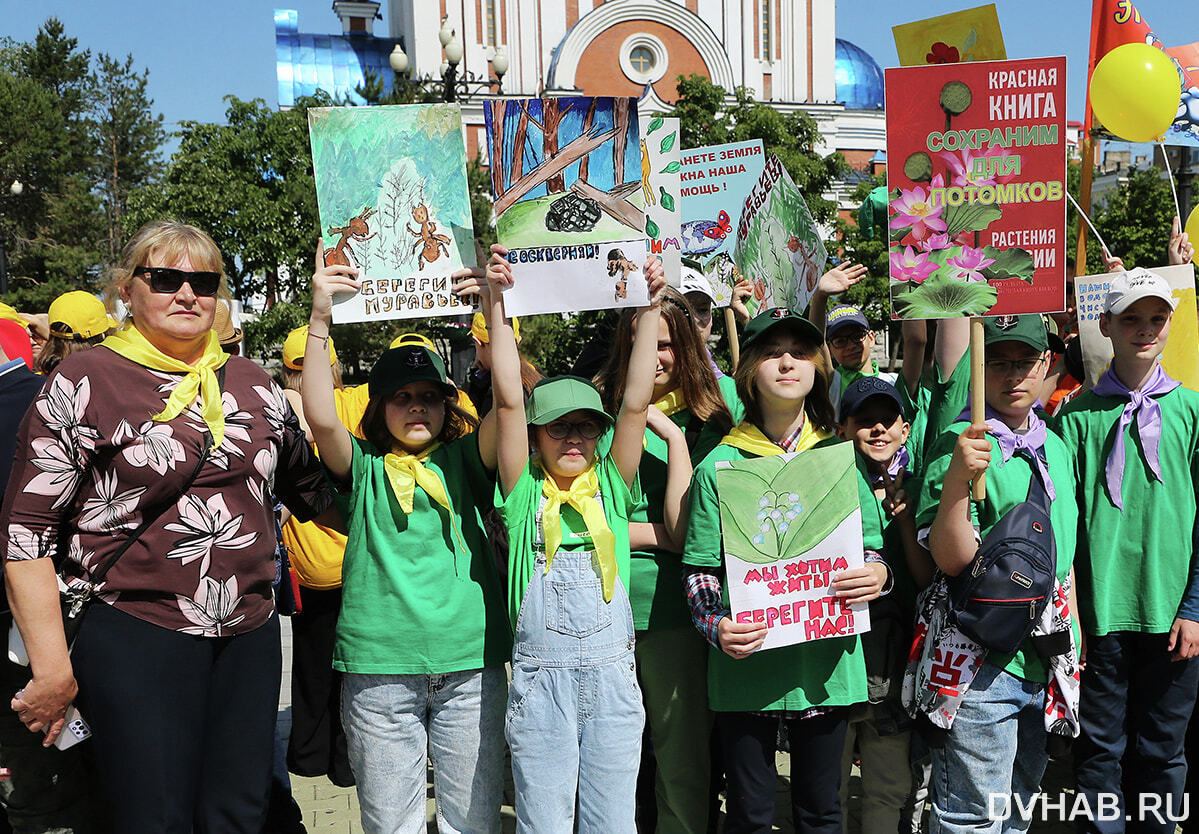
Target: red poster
976,171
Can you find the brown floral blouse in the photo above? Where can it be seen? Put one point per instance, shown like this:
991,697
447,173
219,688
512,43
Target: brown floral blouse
90,462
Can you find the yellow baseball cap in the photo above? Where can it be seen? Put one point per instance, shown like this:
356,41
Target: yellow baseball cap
79,315
9,312
412,339
478,329
294,346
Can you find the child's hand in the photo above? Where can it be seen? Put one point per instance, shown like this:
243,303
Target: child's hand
740,640
499,270
655,279
741,291
863,584
840,278
662,425
1113,263
1184,639
971,455
1181,250
471,282
327,281
895,500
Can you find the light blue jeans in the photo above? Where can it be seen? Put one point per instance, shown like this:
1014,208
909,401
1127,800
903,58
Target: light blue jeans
574,709
391,721
994,755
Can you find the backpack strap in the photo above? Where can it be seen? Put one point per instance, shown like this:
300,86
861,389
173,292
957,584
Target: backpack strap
1036,484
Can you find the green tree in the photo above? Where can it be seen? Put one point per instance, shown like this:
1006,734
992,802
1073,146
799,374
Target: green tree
872,293
1134,220
129,135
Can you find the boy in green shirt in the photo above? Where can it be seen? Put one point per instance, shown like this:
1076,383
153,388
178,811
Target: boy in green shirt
1136,435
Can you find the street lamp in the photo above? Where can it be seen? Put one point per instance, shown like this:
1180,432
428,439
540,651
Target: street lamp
454,53
398,60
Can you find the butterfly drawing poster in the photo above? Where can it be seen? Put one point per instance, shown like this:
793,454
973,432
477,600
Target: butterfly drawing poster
715,181
778,246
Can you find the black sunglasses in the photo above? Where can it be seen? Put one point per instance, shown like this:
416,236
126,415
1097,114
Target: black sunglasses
587,429
168,280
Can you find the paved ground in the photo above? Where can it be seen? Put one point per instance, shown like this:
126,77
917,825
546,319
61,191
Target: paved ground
328,808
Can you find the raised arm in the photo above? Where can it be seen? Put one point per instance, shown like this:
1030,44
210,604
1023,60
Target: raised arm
629,436
914,333
951,539
834,282
953,339
316,385
511,433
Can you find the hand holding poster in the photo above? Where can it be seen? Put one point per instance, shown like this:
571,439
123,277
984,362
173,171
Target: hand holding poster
570,197
1180,359
977,180
715,183
660,188
778,247
384,211
791,523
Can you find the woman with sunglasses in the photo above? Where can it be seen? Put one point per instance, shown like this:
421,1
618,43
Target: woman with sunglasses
567,471
159,450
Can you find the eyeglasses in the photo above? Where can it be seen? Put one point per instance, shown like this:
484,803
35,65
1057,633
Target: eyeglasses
560,429
849,339
1012,367
167,279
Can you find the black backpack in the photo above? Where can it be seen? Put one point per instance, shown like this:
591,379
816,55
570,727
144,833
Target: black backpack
998,599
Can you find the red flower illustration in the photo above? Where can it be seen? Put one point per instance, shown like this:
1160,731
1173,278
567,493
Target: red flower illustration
942,54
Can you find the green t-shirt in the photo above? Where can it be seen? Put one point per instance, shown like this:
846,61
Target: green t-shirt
946,400
521,514
828,672
656,591
413,600
1007,486
1133,566
915,409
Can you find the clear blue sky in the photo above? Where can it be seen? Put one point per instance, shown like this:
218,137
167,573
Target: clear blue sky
201,50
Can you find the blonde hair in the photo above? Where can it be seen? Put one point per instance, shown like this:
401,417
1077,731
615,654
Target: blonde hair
168,241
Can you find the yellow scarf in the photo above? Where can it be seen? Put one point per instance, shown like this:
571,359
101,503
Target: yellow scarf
672,403
406,470
199,379
581,496
749,438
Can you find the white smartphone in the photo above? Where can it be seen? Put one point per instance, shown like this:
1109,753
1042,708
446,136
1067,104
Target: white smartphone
75,730
16,646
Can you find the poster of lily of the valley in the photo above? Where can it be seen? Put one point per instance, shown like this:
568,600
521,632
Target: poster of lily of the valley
976,176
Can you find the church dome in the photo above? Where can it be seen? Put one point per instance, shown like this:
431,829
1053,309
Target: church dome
859,79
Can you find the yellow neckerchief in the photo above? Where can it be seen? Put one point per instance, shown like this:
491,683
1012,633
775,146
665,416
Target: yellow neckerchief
581,496
672,403
199,378
406,471
749,438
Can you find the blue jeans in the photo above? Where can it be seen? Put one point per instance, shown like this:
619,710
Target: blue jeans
1136,703
391,721
994,755
574,709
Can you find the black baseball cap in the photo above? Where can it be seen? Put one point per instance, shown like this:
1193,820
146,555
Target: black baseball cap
862,389
844,316
780,317
409,363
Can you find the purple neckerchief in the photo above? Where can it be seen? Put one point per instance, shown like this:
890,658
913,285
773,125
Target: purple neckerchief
1031,442
1145,408
899,463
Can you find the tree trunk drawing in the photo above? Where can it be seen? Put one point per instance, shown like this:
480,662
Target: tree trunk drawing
518,144
575,150
552,114
587,122
496,157
620,118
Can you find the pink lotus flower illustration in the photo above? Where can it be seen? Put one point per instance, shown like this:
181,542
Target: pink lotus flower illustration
961,166
935,242
912,266
915,208
967,265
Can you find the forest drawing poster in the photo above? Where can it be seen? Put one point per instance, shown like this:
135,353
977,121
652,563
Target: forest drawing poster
569,183
790,525
391,189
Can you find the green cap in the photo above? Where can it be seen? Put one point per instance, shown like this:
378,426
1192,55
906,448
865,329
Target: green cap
557,396
410,363
780,317
1029,329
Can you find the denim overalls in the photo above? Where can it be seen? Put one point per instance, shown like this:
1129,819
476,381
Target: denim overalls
575,714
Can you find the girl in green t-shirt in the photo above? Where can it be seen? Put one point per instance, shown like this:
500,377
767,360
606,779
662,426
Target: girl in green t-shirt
575,716
687,419
421,637
783,382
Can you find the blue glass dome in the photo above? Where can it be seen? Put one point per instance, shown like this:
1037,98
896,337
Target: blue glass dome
859,79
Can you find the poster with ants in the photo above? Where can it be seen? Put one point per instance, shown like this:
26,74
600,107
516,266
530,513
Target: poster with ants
715,181
778,247
391,188
570,186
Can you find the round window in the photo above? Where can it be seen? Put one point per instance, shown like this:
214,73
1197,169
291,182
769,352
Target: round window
642,59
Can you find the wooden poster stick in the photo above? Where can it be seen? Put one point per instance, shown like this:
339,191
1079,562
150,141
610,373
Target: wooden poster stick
978,393
730,327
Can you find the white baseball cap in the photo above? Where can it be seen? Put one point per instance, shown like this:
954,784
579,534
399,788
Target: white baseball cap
1129,287
692,280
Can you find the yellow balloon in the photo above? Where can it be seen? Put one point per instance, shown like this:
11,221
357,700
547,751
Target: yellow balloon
1135,92
1192,227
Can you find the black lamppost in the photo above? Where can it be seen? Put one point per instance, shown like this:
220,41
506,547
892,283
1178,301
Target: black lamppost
452,86
15,189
